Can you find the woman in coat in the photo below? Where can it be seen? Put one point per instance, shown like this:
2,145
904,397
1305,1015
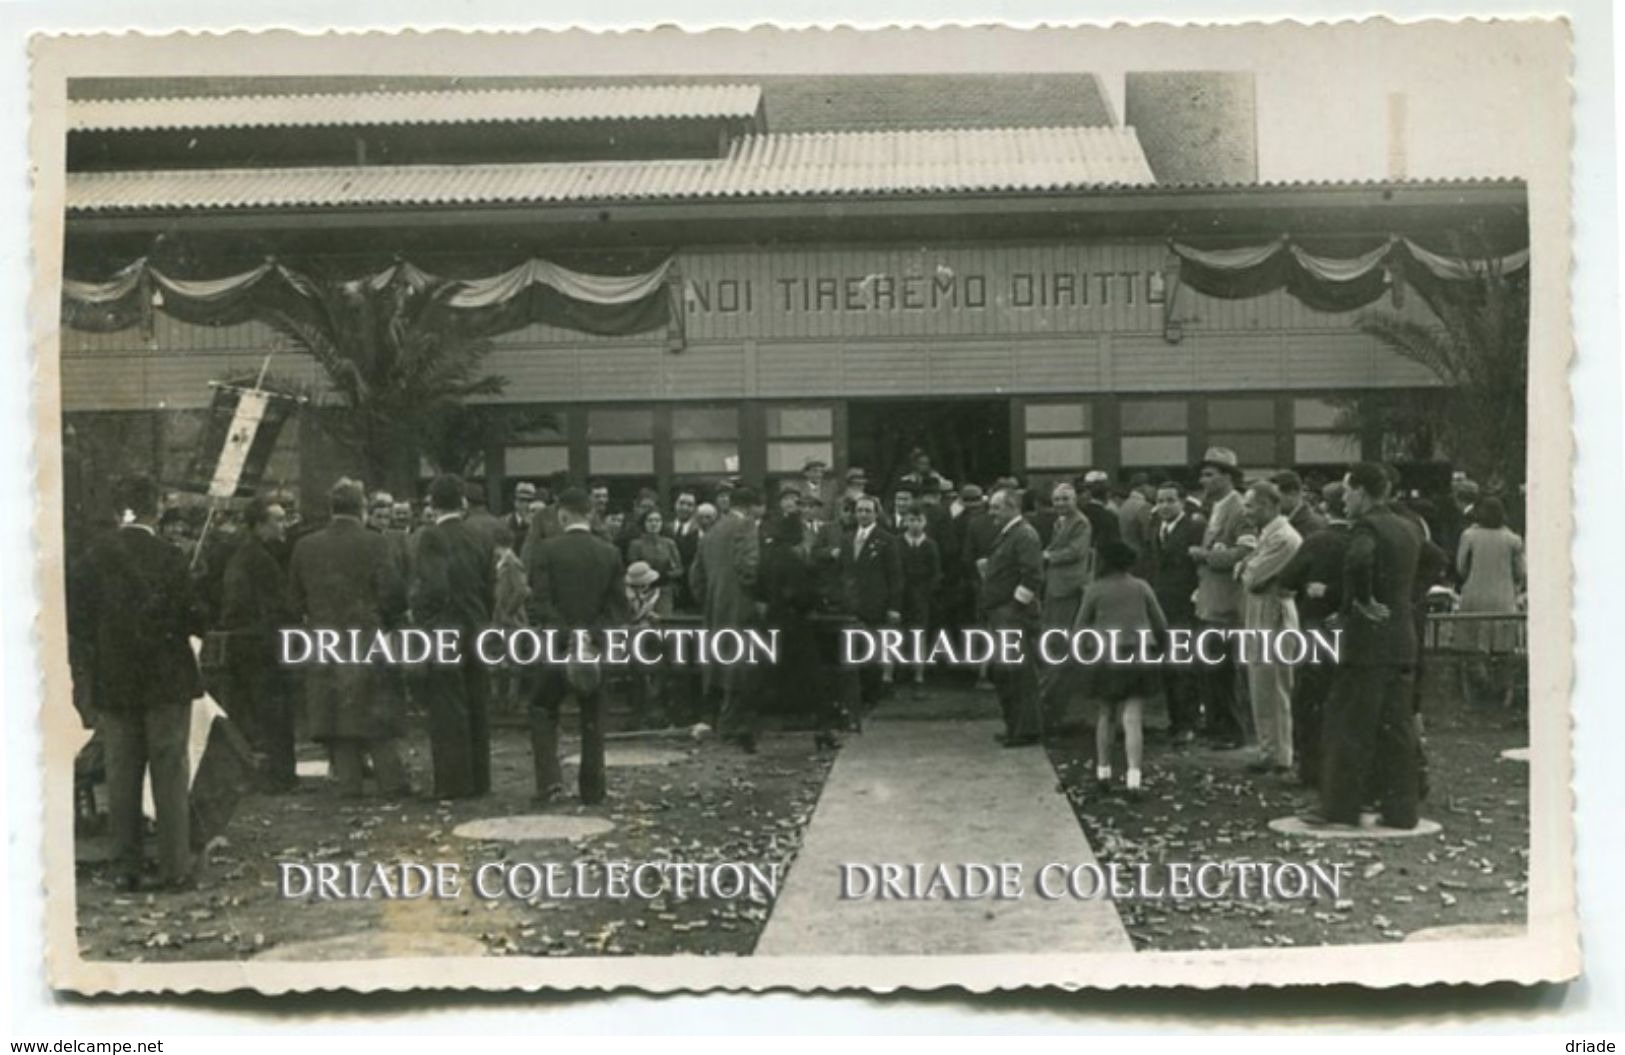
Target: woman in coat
1491,563
659,552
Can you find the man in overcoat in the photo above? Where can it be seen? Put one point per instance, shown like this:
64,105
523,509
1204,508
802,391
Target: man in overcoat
577,584
1369,725
1068,567
132,612
343,577
1010,577
453,587
254,607
723,577
1315,575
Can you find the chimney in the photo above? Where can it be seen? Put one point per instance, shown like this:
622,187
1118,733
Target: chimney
1194,126
1398,130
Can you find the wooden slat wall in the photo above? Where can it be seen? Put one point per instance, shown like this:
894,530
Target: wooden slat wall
1270,342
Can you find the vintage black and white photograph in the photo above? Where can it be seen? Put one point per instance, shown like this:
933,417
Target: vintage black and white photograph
1064,504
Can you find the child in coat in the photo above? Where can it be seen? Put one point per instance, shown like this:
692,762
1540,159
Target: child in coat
1119,600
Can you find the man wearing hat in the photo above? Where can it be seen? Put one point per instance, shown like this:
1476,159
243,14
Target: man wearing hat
1218,593
978,531
857,484
518,518
1104,526
816,482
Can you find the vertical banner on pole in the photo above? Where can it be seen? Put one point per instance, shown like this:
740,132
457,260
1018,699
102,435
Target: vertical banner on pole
245,423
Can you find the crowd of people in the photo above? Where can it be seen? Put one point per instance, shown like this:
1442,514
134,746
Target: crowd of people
818,554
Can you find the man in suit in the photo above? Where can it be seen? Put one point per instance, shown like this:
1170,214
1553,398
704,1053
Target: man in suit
132,613
1315,575
1134,519
1173,577
577,584
816,482
1068,567
477,515
518,518
453,587
343,577
921,564
1269,608
872,578
976,532
903,502
724,578
1011,575
1218,593
684,530
254,607
1369,725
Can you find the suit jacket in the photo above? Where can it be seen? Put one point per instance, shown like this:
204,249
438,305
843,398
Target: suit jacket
454,581
724,573
1135,522
1319,559
921,567
1380,565
1103,524
1265,605
484,524
977,533
132,612
1305,521
1218,594
873,577
254,591
543,526
1070,563
1171,569
576,582
1016,563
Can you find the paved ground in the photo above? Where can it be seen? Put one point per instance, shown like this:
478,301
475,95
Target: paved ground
917,762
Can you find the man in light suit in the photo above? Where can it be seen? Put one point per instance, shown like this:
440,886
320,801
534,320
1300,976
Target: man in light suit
723,577
1218,592
1011,575
1068,567
1269,608
576,583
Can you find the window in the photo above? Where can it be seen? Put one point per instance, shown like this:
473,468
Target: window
620,442
1246,426
540,450
1156,432
797,434
705,439
1059,435
1317,438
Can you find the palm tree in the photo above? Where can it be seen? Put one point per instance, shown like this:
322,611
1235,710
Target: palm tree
392,362
1477,345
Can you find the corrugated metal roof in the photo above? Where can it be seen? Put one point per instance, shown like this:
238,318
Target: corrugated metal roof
792,102
607,103
812,164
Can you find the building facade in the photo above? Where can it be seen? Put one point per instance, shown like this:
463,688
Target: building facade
1007,299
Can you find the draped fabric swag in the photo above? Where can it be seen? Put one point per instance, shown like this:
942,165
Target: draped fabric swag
536,291
1326,283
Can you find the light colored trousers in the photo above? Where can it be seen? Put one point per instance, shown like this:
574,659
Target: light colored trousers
1269,685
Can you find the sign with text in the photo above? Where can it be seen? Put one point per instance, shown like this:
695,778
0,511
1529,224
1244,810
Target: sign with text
904,292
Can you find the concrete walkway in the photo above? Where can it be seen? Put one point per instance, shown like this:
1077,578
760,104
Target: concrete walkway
914,788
